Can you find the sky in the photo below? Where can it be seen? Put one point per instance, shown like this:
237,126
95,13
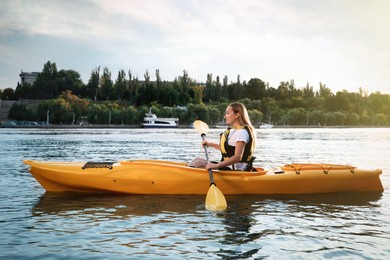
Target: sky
344,44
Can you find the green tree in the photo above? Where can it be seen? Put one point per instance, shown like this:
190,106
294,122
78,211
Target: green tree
107,85
308,92
133,87
339,102
255,89
278,105
376,102
251,104
316,117
329,118
93,84
296,116
198,111
198,94
130,115
269,107
213,114
184,83
210,92
325,92
93,113
8,94
21,112
365,118
256,116
339,118
380,120
60,112
43,109
218,88
318,103
66,109
78,106
169,96
352,119
121,85
69,80
297,101
234,90
45,86
159,86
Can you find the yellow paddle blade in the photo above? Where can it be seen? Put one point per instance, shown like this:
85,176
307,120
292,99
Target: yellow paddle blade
201,127
215,200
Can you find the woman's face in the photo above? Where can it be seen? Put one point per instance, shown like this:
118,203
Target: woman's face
230,116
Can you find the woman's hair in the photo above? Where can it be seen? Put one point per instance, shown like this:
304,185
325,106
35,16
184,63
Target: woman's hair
244,119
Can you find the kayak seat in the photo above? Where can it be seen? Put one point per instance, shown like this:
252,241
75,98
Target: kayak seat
98,165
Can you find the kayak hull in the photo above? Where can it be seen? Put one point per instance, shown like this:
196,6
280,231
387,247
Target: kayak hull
165,177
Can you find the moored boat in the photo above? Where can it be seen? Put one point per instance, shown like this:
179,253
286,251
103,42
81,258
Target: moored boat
266,126
152,121
166,177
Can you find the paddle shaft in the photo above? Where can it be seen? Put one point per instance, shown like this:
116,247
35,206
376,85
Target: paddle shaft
215,200
207,158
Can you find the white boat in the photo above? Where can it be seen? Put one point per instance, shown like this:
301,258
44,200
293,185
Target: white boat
266,126
152,121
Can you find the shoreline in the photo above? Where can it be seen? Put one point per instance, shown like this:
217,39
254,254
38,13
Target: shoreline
102,126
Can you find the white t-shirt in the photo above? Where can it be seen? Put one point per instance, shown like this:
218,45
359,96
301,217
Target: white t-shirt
238,135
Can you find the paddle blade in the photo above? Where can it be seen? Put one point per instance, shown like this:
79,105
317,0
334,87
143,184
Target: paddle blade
215,200
201,127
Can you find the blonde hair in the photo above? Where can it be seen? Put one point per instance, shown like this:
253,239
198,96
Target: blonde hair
244,119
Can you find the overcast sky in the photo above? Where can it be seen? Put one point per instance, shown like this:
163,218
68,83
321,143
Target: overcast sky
344,44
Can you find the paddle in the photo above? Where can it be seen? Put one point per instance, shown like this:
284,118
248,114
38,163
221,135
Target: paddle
215,200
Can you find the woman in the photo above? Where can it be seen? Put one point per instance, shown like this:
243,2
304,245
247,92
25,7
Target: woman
237,143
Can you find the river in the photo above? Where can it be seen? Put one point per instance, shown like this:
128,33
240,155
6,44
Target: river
39,225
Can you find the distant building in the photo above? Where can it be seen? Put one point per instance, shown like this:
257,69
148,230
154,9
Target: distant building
28,77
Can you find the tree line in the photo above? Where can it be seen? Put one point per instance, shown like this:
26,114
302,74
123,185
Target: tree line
126,99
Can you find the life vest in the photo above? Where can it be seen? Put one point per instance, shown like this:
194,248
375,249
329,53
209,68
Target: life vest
228,150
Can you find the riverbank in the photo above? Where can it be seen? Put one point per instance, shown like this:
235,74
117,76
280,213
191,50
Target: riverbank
100,126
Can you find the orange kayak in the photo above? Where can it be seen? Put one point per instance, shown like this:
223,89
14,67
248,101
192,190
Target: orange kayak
166,177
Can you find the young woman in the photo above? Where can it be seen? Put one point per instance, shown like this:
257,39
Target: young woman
237,143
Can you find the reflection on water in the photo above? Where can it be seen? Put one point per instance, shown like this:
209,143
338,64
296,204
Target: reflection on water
117,206
123,206
36,224
251,226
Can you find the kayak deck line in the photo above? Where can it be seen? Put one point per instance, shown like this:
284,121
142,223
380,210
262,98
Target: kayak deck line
326,167
168,177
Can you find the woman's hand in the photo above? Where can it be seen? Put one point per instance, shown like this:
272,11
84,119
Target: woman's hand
210,166
210,144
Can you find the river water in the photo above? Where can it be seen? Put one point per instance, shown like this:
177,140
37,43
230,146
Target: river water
39,225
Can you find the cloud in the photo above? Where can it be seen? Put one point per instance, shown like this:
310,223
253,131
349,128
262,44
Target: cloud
341,43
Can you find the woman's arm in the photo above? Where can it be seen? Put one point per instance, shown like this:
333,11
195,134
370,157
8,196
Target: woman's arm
238,153
214,145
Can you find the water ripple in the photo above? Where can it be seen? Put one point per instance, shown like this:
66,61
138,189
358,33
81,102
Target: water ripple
41,225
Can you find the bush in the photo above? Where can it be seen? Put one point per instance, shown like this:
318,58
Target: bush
380,120
22,113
